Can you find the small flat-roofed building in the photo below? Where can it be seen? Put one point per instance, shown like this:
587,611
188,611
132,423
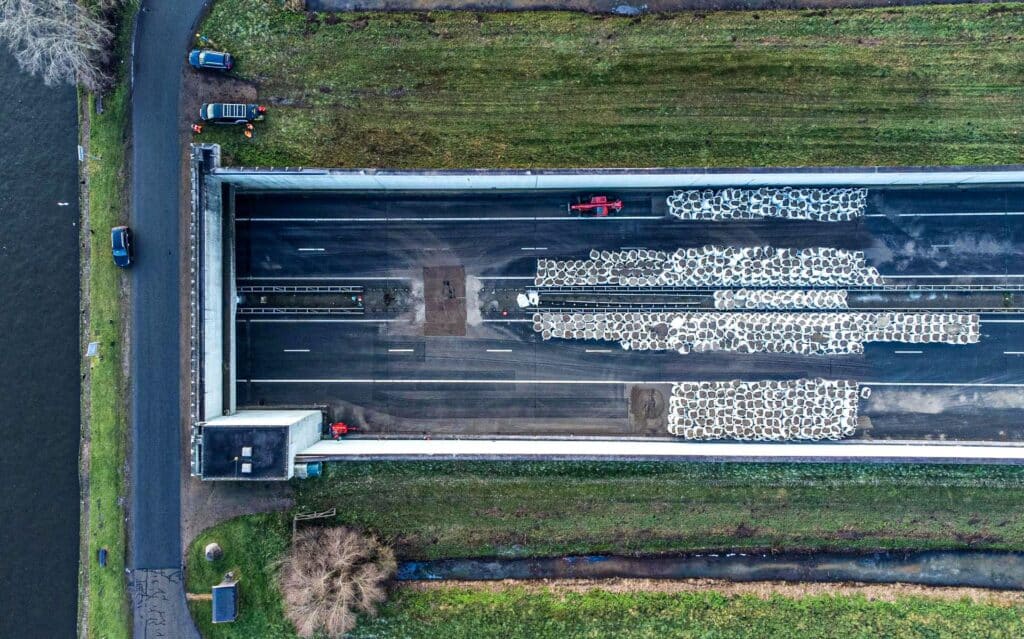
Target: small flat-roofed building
257,445
225,602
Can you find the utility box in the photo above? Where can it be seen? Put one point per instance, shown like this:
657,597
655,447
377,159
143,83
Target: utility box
256,445
225,602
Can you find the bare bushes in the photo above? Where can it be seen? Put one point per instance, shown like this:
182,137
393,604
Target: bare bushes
330,575
61,41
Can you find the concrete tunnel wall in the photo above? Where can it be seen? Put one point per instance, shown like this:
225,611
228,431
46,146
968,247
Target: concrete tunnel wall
371,180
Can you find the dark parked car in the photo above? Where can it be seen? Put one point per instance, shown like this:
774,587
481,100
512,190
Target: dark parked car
121,245
207,59
221,113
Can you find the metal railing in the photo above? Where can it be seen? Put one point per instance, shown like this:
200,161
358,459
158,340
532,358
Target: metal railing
273,288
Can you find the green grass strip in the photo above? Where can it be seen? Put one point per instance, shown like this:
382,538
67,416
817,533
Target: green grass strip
444,509
516,614
107,600
893,86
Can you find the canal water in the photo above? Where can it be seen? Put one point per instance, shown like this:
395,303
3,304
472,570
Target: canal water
979,569
39,356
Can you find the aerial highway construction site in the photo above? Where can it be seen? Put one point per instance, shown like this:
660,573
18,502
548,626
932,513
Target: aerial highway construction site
434,308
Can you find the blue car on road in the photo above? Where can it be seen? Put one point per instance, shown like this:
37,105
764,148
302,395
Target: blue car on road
121,245
207,59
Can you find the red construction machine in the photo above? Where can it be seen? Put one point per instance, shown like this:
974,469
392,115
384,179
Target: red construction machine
595,206
340,429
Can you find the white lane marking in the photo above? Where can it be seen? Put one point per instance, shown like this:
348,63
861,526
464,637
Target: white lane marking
506,277
995,321
499,350
314,278
401,350
296,350
311,249
509,320
949,277
908,352
598,350
1013,352
576,382
445,219
962,214
534,248
943,384
941,245
314,320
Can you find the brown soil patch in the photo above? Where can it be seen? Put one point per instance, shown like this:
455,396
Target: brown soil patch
648,410
444,293
762,589
198,87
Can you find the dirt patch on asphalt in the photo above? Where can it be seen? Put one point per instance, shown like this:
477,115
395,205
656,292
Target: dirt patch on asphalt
761,589
648,410
444,294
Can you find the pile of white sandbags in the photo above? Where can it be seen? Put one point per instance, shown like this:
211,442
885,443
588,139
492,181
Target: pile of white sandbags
819,204
811,333
774,299
712,266
800,409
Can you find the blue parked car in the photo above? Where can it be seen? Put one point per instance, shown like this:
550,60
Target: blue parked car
121,245
207,59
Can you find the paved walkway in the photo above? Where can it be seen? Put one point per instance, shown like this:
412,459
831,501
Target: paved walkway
162,37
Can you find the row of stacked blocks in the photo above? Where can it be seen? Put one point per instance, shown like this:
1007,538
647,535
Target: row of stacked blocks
801,409
725,266
773,299
813,333
817,204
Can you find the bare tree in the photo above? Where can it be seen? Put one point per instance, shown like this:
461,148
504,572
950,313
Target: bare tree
59,40
329,576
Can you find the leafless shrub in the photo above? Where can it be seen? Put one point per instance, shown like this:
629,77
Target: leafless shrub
329,576
59,40
295,5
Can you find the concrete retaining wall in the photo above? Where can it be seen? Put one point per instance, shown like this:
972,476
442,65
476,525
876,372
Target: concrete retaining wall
374,180
657,450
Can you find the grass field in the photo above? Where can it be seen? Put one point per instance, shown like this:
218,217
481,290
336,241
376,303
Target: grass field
108,615
516,614
435,510
894,86
252,544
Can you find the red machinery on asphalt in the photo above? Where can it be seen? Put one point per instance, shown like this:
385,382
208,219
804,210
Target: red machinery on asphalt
340,429
595,206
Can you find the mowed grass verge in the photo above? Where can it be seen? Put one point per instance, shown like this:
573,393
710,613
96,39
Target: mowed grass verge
894,86
436,510
106,597
459,613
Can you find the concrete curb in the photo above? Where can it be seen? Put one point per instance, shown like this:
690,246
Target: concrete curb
582,179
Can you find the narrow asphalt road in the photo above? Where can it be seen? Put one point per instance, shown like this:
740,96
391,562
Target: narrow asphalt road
163,30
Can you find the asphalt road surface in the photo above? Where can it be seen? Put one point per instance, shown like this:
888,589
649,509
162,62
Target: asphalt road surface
161,42
502,378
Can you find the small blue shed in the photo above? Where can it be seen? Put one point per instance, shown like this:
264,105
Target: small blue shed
225,602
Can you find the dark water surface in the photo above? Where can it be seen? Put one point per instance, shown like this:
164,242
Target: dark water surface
39,356
982,569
